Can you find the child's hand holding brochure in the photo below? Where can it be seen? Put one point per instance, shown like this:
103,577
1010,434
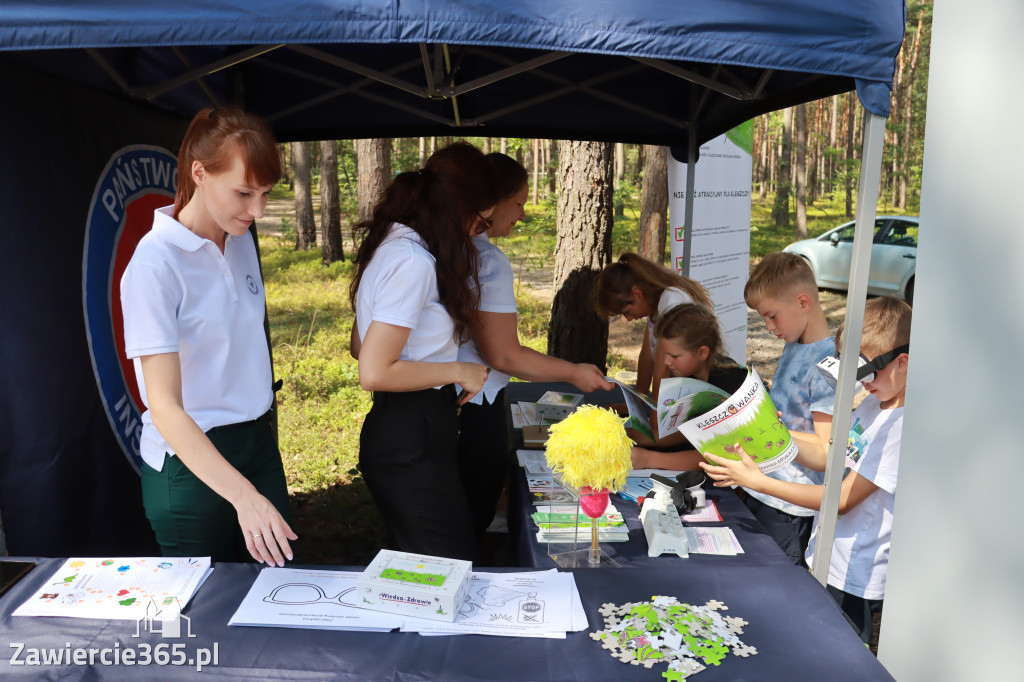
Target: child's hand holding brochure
747,419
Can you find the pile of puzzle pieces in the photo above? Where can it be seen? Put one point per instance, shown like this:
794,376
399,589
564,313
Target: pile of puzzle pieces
663,630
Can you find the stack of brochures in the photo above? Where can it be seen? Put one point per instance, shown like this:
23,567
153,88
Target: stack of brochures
566,522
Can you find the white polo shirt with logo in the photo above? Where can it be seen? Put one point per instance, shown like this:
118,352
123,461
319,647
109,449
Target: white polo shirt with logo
399,287
180,294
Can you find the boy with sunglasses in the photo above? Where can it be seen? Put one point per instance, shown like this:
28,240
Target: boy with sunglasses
860,554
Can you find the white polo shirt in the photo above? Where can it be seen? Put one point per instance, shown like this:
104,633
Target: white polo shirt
497,295
180,294
669,299
399,287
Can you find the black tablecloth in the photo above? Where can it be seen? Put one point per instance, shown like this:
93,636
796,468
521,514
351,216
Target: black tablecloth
797,628
798,631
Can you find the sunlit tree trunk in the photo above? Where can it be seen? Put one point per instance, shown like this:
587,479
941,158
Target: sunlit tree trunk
654,204
582,249
305,220
800,128
373,158
330,203
780,210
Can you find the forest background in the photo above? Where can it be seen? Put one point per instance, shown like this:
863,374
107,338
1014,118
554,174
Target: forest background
805,173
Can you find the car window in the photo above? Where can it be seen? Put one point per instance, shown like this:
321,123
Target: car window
847,234
902,233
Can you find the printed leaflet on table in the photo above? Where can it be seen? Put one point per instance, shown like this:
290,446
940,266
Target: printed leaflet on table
125,588
529,604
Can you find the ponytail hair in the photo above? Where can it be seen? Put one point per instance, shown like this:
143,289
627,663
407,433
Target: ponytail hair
692,325
212,139
614,287
439,202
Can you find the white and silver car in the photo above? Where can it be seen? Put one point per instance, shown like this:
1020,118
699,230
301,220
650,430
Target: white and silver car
893,256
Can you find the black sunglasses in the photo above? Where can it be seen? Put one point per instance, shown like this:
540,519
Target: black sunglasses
488,223
866,368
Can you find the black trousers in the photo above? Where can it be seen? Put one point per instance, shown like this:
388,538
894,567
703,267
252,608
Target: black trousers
408,458
791,533
484,457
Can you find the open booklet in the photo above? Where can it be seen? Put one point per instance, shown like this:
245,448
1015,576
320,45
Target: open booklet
639,407
747,419
715,421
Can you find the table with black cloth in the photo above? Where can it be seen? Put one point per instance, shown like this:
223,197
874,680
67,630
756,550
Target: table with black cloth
761,585
798,633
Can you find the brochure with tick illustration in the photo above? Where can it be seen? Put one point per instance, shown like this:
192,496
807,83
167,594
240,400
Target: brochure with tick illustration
119,589
746,420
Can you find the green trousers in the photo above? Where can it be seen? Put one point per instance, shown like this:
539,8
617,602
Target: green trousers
189,519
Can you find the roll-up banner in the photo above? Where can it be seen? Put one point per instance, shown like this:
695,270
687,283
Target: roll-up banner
720,248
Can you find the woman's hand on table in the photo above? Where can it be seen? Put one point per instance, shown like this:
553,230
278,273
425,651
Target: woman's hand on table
265,530
729,472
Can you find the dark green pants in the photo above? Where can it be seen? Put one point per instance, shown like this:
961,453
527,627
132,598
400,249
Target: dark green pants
189,519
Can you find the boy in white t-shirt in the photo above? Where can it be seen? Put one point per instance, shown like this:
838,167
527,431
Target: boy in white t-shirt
860,554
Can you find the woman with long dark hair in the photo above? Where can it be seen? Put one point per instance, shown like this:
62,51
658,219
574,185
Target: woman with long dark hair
415,294
483,437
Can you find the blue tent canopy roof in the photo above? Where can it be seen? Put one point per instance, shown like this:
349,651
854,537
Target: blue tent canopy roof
624,70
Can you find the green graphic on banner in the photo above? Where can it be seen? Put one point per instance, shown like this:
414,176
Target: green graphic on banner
743,136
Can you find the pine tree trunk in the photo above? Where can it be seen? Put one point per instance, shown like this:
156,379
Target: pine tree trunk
582,249
765,161
330,204
908,98
552,160
373,157
536,170
780,210
654,204
800,125
851,103
305,220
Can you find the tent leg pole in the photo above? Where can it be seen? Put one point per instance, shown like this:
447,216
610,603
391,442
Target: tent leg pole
691,172
867,202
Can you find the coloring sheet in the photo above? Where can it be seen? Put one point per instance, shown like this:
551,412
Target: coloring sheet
533,604
119,589
319,600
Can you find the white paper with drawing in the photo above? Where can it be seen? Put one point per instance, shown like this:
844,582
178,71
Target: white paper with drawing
320,600
534,604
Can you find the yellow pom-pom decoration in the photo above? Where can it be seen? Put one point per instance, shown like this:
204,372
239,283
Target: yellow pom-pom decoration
590,448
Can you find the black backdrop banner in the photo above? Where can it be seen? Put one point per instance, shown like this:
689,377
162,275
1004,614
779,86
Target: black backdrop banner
67,484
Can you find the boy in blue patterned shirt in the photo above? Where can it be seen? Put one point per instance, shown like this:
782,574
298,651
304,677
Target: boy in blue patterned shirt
783,292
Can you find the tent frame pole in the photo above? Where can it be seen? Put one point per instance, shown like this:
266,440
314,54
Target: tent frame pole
691,172
863,236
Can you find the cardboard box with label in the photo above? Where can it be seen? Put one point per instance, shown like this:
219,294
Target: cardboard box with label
554,406
414,585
